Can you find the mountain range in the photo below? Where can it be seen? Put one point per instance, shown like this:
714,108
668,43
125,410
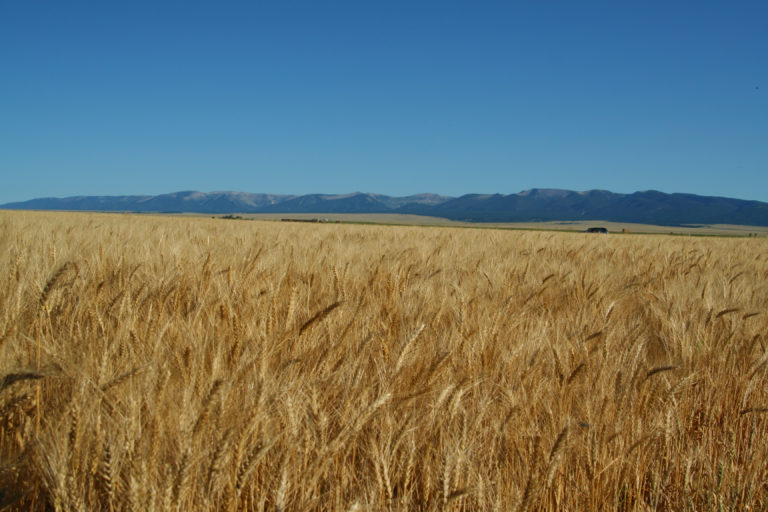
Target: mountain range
647,207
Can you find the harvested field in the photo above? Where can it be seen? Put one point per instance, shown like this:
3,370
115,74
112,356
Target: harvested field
577,225
182,363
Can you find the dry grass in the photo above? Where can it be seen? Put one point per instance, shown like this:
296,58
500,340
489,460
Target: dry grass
199,364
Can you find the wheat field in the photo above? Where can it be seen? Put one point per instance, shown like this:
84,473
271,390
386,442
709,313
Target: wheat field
167,363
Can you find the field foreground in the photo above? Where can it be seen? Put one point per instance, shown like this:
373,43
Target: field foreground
153,363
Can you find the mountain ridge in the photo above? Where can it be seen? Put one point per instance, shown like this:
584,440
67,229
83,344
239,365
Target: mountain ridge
536,204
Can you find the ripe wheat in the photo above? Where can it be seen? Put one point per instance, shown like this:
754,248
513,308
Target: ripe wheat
153,363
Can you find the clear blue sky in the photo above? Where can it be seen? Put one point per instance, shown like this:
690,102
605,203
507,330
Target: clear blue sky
395,97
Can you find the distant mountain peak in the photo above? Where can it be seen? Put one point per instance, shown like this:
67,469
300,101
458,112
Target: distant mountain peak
536,204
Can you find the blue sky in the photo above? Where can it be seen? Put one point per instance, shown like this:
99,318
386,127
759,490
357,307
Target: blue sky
390,97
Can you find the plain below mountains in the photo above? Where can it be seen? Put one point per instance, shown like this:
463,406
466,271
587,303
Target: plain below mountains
648,207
